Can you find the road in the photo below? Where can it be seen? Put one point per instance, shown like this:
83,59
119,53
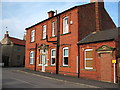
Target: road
11,78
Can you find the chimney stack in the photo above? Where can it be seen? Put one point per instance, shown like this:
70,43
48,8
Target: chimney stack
6,35
99,5
96,1
50,14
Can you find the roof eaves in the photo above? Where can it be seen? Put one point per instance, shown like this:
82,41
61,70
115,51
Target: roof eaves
96,41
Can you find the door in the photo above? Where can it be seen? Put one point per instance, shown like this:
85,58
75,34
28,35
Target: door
43,57
106,67
5,60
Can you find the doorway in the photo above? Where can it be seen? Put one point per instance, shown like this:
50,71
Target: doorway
106,67
43,62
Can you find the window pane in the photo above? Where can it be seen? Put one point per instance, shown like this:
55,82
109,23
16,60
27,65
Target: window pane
65,25
89,54
53,52
44,31
53,60
53,28
89,63
31,60
65,60
65,52
31,54
32,35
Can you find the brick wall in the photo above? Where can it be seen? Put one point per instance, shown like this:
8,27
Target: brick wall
96,72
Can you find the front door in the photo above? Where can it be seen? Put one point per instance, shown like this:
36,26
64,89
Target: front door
106,67
43,57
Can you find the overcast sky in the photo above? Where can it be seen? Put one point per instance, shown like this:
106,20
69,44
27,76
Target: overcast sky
17,16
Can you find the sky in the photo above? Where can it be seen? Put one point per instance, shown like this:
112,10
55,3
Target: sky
17,16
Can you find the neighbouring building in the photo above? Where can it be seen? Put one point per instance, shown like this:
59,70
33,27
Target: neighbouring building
13,51
52,44
98,51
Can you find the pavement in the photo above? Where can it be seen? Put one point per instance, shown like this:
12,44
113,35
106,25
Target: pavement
71,79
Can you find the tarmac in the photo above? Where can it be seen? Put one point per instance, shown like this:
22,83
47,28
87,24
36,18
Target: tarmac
76,80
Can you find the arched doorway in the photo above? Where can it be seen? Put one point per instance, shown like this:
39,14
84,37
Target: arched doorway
43,56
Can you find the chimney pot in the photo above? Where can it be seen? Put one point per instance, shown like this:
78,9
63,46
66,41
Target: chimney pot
6,35
50,14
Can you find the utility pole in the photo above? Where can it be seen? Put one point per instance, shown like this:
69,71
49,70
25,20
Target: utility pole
58,44
35,56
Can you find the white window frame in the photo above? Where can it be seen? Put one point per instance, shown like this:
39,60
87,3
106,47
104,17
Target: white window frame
65,25
65,56
44,32
32,35
32,57
53,56
87,58
53,29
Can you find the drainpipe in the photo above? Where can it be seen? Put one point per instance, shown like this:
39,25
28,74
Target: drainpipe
35,56
57,44
78,60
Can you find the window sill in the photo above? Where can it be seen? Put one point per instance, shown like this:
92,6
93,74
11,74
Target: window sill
39,64
88,69
43,39
65,34
66,66
52,65
32,42
53,36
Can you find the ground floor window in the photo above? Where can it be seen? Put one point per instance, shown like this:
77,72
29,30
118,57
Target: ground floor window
53,54
32,57
65,56
88,54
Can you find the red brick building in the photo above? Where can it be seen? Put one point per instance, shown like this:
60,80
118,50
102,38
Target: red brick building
97,50
51,45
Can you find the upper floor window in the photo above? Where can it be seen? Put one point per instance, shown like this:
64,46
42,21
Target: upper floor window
53,29
32,57
65,25
32,35
88,59
44,32
65,56
53,54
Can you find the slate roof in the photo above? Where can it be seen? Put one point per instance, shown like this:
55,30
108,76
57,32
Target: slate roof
101,36
17,41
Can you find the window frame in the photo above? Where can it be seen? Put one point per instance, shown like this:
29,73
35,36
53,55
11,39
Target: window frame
32,57
53,29
32,36
53,56
65,56
44,30
65,25
87,58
